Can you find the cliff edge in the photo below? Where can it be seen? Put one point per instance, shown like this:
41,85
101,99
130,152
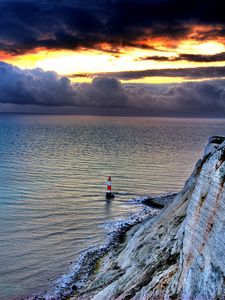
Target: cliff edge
180,253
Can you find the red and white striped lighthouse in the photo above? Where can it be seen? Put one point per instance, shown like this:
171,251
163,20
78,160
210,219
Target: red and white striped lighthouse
109,189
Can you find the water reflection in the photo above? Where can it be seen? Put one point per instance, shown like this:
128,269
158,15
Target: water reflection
108,204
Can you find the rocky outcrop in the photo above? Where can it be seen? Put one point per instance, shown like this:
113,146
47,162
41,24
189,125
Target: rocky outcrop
180,253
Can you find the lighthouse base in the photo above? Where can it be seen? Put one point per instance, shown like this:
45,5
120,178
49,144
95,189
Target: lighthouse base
109,196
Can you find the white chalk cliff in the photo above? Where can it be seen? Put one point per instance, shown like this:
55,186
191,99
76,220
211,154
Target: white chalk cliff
180,253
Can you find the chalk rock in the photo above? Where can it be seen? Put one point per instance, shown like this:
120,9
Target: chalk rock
180,253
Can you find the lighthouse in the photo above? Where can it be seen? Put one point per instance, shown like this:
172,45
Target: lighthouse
109,194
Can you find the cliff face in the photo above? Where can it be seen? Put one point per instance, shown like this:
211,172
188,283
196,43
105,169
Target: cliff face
180,253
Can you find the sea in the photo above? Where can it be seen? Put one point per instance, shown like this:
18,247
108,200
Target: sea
53,173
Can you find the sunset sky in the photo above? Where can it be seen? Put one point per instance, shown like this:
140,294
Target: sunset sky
156,48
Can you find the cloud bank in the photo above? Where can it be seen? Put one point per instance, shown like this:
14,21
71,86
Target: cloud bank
38,88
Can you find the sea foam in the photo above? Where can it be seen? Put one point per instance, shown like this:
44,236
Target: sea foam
80,272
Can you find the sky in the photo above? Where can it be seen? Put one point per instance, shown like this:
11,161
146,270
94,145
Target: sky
147,57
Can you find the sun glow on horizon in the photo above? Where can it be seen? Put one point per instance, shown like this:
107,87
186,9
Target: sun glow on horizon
206,48
86,61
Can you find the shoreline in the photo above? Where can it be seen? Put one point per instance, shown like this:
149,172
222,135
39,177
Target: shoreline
85,266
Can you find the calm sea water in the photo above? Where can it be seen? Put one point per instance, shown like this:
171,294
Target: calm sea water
52,184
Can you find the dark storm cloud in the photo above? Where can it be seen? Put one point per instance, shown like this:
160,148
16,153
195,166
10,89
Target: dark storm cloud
202,58
38,88
155,57
25,25
189,73
188,57
70,24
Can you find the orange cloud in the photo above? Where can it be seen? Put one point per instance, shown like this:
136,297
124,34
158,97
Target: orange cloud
199,39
